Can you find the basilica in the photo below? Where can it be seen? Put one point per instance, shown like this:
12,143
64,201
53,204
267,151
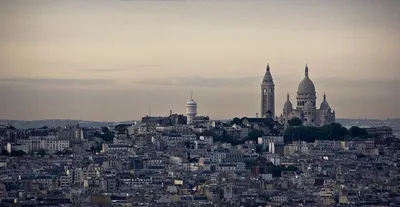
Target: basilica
306,109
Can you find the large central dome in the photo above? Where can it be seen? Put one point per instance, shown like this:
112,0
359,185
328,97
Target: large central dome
306,86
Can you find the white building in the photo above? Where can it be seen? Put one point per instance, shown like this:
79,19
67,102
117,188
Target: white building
266,140
306,109
50,144
268,95
191,110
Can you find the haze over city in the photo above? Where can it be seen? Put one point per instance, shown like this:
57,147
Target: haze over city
115,60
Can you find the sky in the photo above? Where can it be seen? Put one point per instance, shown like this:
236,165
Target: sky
121,60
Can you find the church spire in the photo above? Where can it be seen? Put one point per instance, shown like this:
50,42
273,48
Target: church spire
306,71
268,77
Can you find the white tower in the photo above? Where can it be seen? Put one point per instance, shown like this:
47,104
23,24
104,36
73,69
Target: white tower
191,110
268,95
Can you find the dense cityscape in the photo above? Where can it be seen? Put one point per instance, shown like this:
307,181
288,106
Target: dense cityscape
303,157
192,103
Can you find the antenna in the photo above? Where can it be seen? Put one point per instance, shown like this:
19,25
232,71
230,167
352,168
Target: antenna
191,95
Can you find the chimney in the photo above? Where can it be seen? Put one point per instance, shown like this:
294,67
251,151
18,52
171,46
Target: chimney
170,112
256,115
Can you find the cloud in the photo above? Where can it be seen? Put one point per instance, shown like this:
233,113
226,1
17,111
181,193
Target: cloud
202,81
55,81
366,84
108,70
101,70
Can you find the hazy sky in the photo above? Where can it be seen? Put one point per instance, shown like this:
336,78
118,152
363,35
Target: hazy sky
115,60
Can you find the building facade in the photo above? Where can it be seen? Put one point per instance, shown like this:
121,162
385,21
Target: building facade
306,109
268,95
191,110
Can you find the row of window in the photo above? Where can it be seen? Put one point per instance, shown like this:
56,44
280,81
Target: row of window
302,103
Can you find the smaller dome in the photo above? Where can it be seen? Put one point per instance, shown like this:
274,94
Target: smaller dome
309,106
324,104
288,105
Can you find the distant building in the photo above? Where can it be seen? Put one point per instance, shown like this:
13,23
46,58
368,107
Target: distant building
380,132
201,119
191,110
306,109
268,95
155,120
173,119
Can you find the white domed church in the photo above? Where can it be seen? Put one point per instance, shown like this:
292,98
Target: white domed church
306,109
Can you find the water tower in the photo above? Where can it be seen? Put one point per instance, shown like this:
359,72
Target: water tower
191,110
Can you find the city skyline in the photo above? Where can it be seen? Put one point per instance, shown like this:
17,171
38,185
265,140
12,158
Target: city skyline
115,60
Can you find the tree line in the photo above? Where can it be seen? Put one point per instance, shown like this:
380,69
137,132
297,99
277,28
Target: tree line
334,131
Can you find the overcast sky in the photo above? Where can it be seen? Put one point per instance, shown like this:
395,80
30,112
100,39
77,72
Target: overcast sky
115,60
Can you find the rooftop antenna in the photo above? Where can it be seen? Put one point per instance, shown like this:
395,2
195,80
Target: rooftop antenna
191,95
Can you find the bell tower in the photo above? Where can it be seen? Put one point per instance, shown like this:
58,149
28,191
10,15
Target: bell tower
268,95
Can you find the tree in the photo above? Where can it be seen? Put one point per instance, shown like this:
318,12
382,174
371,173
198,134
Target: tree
259,149
17,153
191,160
268,123
254,135
356,131
277,170
5,152
206,133
335,131
295,122
41,152
229,139
187,144
106,135
274,131
236,121
332,131
96,148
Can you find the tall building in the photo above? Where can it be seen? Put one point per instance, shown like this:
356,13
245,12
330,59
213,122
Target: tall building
191,110
306,109
268,95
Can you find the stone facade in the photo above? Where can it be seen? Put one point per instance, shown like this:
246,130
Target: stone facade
268,95
306,109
